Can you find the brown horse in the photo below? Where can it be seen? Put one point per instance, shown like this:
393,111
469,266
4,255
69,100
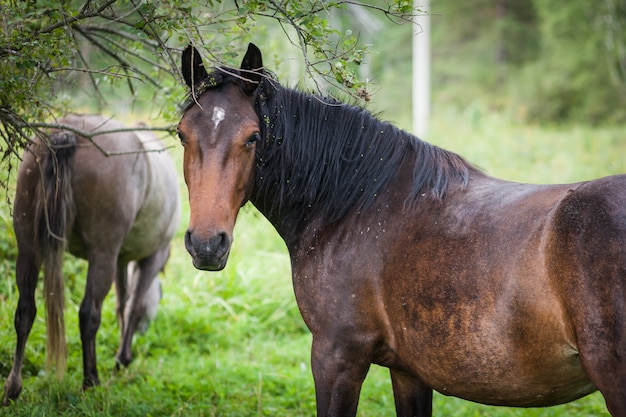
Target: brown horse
406,256
119,212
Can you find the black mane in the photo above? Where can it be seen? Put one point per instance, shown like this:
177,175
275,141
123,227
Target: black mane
320,157
336,157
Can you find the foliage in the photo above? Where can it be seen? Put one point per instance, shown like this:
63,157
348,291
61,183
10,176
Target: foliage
541,60
54,51
581,73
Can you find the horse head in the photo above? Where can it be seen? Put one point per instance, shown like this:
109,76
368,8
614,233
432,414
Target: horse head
218,131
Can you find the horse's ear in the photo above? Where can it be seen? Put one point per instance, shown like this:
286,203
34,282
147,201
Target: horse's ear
192,67
252,69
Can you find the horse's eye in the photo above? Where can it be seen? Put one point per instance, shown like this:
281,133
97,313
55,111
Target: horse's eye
253,139
183,141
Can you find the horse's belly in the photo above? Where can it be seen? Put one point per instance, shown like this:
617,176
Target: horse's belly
493,375
519,389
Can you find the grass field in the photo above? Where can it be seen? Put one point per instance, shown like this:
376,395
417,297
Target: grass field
232,343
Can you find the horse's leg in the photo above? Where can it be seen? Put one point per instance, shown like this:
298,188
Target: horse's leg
412,397
601,335
610,379
27,271
99,280
135,309
602,349
121,293
339,369
601,339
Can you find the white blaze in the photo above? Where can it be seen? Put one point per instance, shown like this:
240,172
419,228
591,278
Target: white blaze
218,115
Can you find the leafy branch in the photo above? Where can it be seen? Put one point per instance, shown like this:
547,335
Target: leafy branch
49,48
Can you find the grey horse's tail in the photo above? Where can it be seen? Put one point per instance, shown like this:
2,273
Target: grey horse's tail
53,213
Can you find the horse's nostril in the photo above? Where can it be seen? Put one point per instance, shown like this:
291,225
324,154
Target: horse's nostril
188,241
219,244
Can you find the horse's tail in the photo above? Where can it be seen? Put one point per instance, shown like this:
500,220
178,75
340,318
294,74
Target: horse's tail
54,212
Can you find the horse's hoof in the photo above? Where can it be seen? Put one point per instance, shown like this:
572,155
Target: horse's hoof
90,383
11,393
10,397
122,361
6,401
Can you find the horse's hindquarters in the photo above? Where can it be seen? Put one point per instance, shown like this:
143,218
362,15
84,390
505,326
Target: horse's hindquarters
587,255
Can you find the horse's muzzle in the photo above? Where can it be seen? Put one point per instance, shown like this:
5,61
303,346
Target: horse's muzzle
208,254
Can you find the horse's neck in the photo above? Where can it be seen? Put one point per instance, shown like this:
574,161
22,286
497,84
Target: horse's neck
292,193
369,155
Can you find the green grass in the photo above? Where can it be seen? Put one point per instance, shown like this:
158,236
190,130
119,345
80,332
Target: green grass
232,343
